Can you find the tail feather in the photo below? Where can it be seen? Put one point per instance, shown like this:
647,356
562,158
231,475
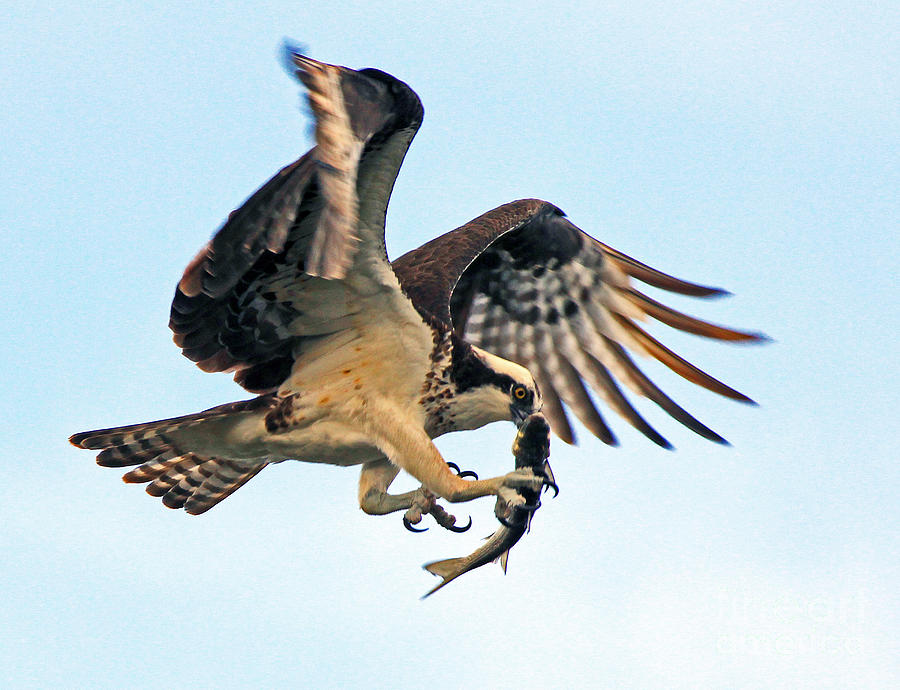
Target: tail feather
153,468
225,481
189,481
179,471
194,483
161,451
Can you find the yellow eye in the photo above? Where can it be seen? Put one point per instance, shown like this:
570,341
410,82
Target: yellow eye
520,392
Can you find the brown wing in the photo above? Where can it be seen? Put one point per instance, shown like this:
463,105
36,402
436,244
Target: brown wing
287,265
523,282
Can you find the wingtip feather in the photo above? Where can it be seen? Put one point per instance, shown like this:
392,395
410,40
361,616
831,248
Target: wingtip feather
291,52
77,439
684,322
652,276
759,338
676,363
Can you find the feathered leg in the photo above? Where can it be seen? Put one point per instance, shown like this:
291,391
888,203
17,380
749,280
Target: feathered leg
374,480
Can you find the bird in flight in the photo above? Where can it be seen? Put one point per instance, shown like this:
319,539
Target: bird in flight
357,360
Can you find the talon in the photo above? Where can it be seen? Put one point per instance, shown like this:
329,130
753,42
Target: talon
446,520
454,528
461,473
549,479
408,525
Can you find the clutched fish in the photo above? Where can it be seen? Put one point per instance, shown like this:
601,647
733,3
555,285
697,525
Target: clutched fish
531,449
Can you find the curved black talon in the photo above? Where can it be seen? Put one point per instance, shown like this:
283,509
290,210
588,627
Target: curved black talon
461,473
408,525
454,528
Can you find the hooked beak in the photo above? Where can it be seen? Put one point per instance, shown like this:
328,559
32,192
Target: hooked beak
519,415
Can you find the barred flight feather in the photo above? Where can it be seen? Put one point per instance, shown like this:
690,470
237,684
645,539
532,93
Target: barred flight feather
227,479
573,393
571,298
337,153
163,483
598,377
154,468
683,322
679,365
172,472
651,391
654,277
603,381
553,408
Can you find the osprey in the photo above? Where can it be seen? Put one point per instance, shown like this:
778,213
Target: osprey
357,360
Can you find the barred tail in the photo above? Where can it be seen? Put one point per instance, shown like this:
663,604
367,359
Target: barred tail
161,451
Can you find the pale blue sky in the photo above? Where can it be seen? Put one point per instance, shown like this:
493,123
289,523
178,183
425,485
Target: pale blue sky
748,145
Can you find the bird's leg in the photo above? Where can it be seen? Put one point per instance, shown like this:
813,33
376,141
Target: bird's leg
505,487
441,516
374,480
409,447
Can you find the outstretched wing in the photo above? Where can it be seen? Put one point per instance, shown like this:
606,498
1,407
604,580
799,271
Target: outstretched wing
302,256
523,282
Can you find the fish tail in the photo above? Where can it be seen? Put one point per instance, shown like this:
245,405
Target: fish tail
448,570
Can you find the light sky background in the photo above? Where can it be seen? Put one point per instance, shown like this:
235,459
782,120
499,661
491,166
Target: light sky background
742,144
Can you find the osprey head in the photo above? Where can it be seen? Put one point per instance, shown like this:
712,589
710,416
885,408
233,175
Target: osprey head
491,389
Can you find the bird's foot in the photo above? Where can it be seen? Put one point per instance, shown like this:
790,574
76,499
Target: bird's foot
525,480
425,503
520,494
